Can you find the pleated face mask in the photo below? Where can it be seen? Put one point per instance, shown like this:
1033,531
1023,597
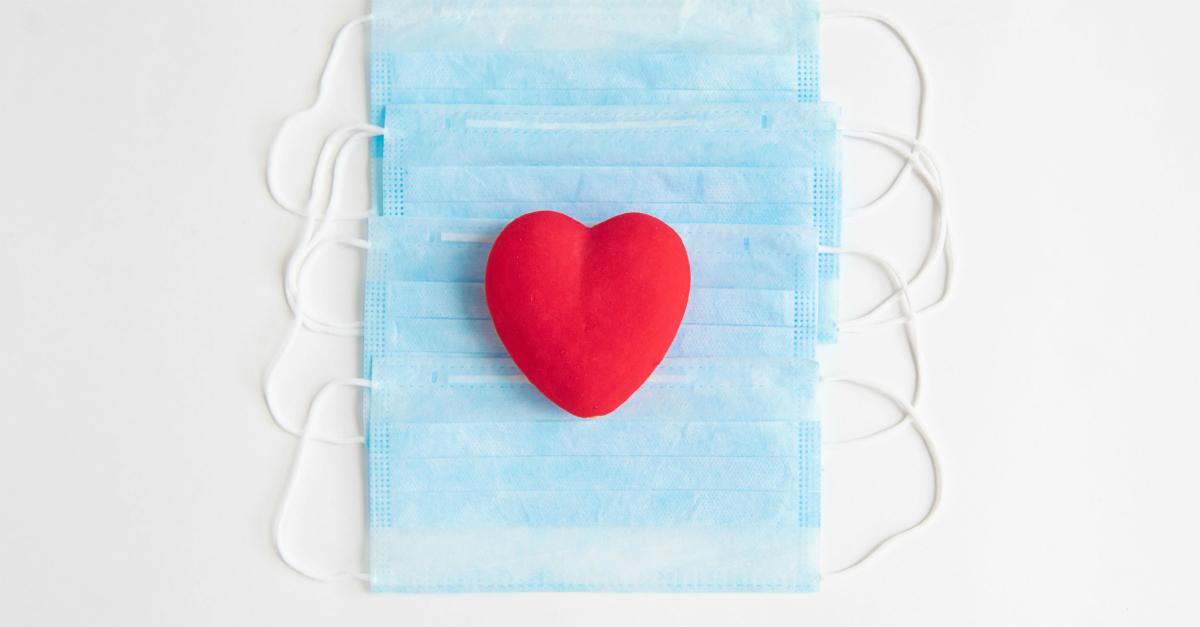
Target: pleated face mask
702,113
707,479
592,52
589,52
740,161
753,290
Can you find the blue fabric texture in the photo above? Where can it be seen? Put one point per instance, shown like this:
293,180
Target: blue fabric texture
754,290
606,52
691,155
708,478
706,115
655,50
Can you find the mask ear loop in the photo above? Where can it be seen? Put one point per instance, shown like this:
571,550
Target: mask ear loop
926,168
293,476
318,207
911,417
917,158
922,80
313,239
909,319
909,409
322,91
906,154
298,322
313,234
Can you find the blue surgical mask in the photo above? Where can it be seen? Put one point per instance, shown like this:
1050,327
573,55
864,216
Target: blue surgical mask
479,483
745,155
707,479
677,185
586,52
753,290
592,52
386,89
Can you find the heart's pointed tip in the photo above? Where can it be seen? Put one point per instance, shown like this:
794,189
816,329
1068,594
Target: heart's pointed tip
591,413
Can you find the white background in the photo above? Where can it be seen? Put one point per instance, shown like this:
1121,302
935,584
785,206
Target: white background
140,258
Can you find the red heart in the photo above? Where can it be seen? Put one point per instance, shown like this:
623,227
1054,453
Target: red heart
587,313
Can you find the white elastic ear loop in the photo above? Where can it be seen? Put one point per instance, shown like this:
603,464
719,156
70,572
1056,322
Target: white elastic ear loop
319,186
844,327
298,322
926,168
313,234
913,419
910,414
915,148
311,321
910,323
922,80
322,90
293,476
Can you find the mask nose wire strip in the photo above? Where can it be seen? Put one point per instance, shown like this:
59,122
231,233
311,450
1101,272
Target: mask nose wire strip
322,92
911,416
922,80
310,425
927,170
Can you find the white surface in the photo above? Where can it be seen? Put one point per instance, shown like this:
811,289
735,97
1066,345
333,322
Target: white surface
140,259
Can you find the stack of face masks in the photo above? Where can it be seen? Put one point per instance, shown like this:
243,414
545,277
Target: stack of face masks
703,114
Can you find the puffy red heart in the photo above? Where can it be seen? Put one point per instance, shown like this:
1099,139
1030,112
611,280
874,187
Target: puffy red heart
587,313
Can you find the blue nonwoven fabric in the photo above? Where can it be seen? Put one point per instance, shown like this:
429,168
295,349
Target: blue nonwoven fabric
676,184
791,214
746,135
754,290
603,52
581,97
587,51
478,158
707,479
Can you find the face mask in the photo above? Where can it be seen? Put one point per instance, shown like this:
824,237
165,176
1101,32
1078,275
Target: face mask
564,97
440,450
729,154
587,50
753,290
478,483
631,53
